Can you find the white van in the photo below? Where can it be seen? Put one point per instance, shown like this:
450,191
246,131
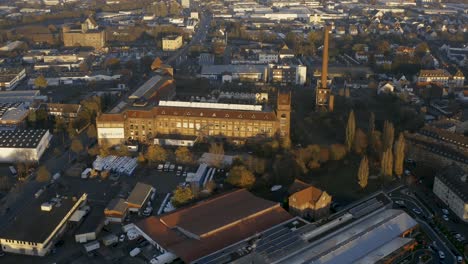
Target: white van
135,252
86,173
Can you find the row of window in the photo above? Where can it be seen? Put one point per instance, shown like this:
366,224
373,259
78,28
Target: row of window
20,242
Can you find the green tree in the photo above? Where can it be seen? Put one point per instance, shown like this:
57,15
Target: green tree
360,141
241,177
363,172
399,154
43,174
218,149
371,124
337,151
122,150
388,135
91,132
155,153
182,196
141,158
40,82
183,155
76,146
387,163
350,131
60,127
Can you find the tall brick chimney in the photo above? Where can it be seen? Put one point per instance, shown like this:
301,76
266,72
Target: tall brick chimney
325,57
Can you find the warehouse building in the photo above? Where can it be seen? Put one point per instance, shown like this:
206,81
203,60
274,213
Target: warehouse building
210,225
23,145
40,224
116,210
139,196
368,231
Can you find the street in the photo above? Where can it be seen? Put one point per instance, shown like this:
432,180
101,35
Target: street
424,216
198,38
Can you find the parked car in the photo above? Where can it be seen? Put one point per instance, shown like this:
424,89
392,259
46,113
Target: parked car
441,254
445,211
416,211
400,203
122,238
445,217
459,259
172,167
160,167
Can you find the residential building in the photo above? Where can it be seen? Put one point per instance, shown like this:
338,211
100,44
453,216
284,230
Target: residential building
231,121
23,145
288,74
442,77
308,201
89,35
10,77
66,111
268,57
451,186
211,225
139,196
172,42
40,224
240,72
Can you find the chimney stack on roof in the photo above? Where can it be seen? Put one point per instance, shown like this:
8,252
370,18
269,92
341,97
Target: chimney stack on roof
325,58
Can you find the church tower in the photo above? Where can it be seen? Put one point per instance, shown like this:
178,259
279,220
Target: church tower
323,98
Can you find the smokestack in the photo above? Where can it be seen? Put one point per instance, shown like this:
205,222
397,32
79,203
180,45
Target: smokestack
325,58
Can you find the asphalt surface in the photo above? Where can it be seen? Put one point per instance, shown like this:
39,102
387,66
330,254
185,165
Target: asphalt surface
412,204
197,39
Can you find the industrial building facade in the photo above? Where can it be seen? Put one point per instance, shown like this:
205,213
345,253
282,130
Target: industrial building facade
191,119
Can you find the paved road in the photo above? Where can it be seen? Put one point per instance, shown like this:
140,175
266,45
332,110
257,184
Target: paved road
197,38
411,203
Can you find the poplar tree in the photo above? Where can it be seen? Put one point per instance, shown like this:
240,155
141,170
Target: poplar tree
350,131
363,172
388,135
399,154
387,163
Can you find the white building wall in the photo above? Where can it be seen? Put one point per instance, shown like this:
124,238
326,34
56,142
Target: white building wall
451,199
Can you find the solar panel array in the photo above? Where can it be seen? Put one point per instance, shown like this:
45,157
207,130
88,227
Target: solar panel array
21,138
365,208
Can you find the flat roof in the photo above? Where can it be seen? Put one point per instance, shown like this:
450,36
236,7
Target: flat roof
244,107
356,240
241,68
34,225
139,193
12,110
92,220
456,179
21,138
